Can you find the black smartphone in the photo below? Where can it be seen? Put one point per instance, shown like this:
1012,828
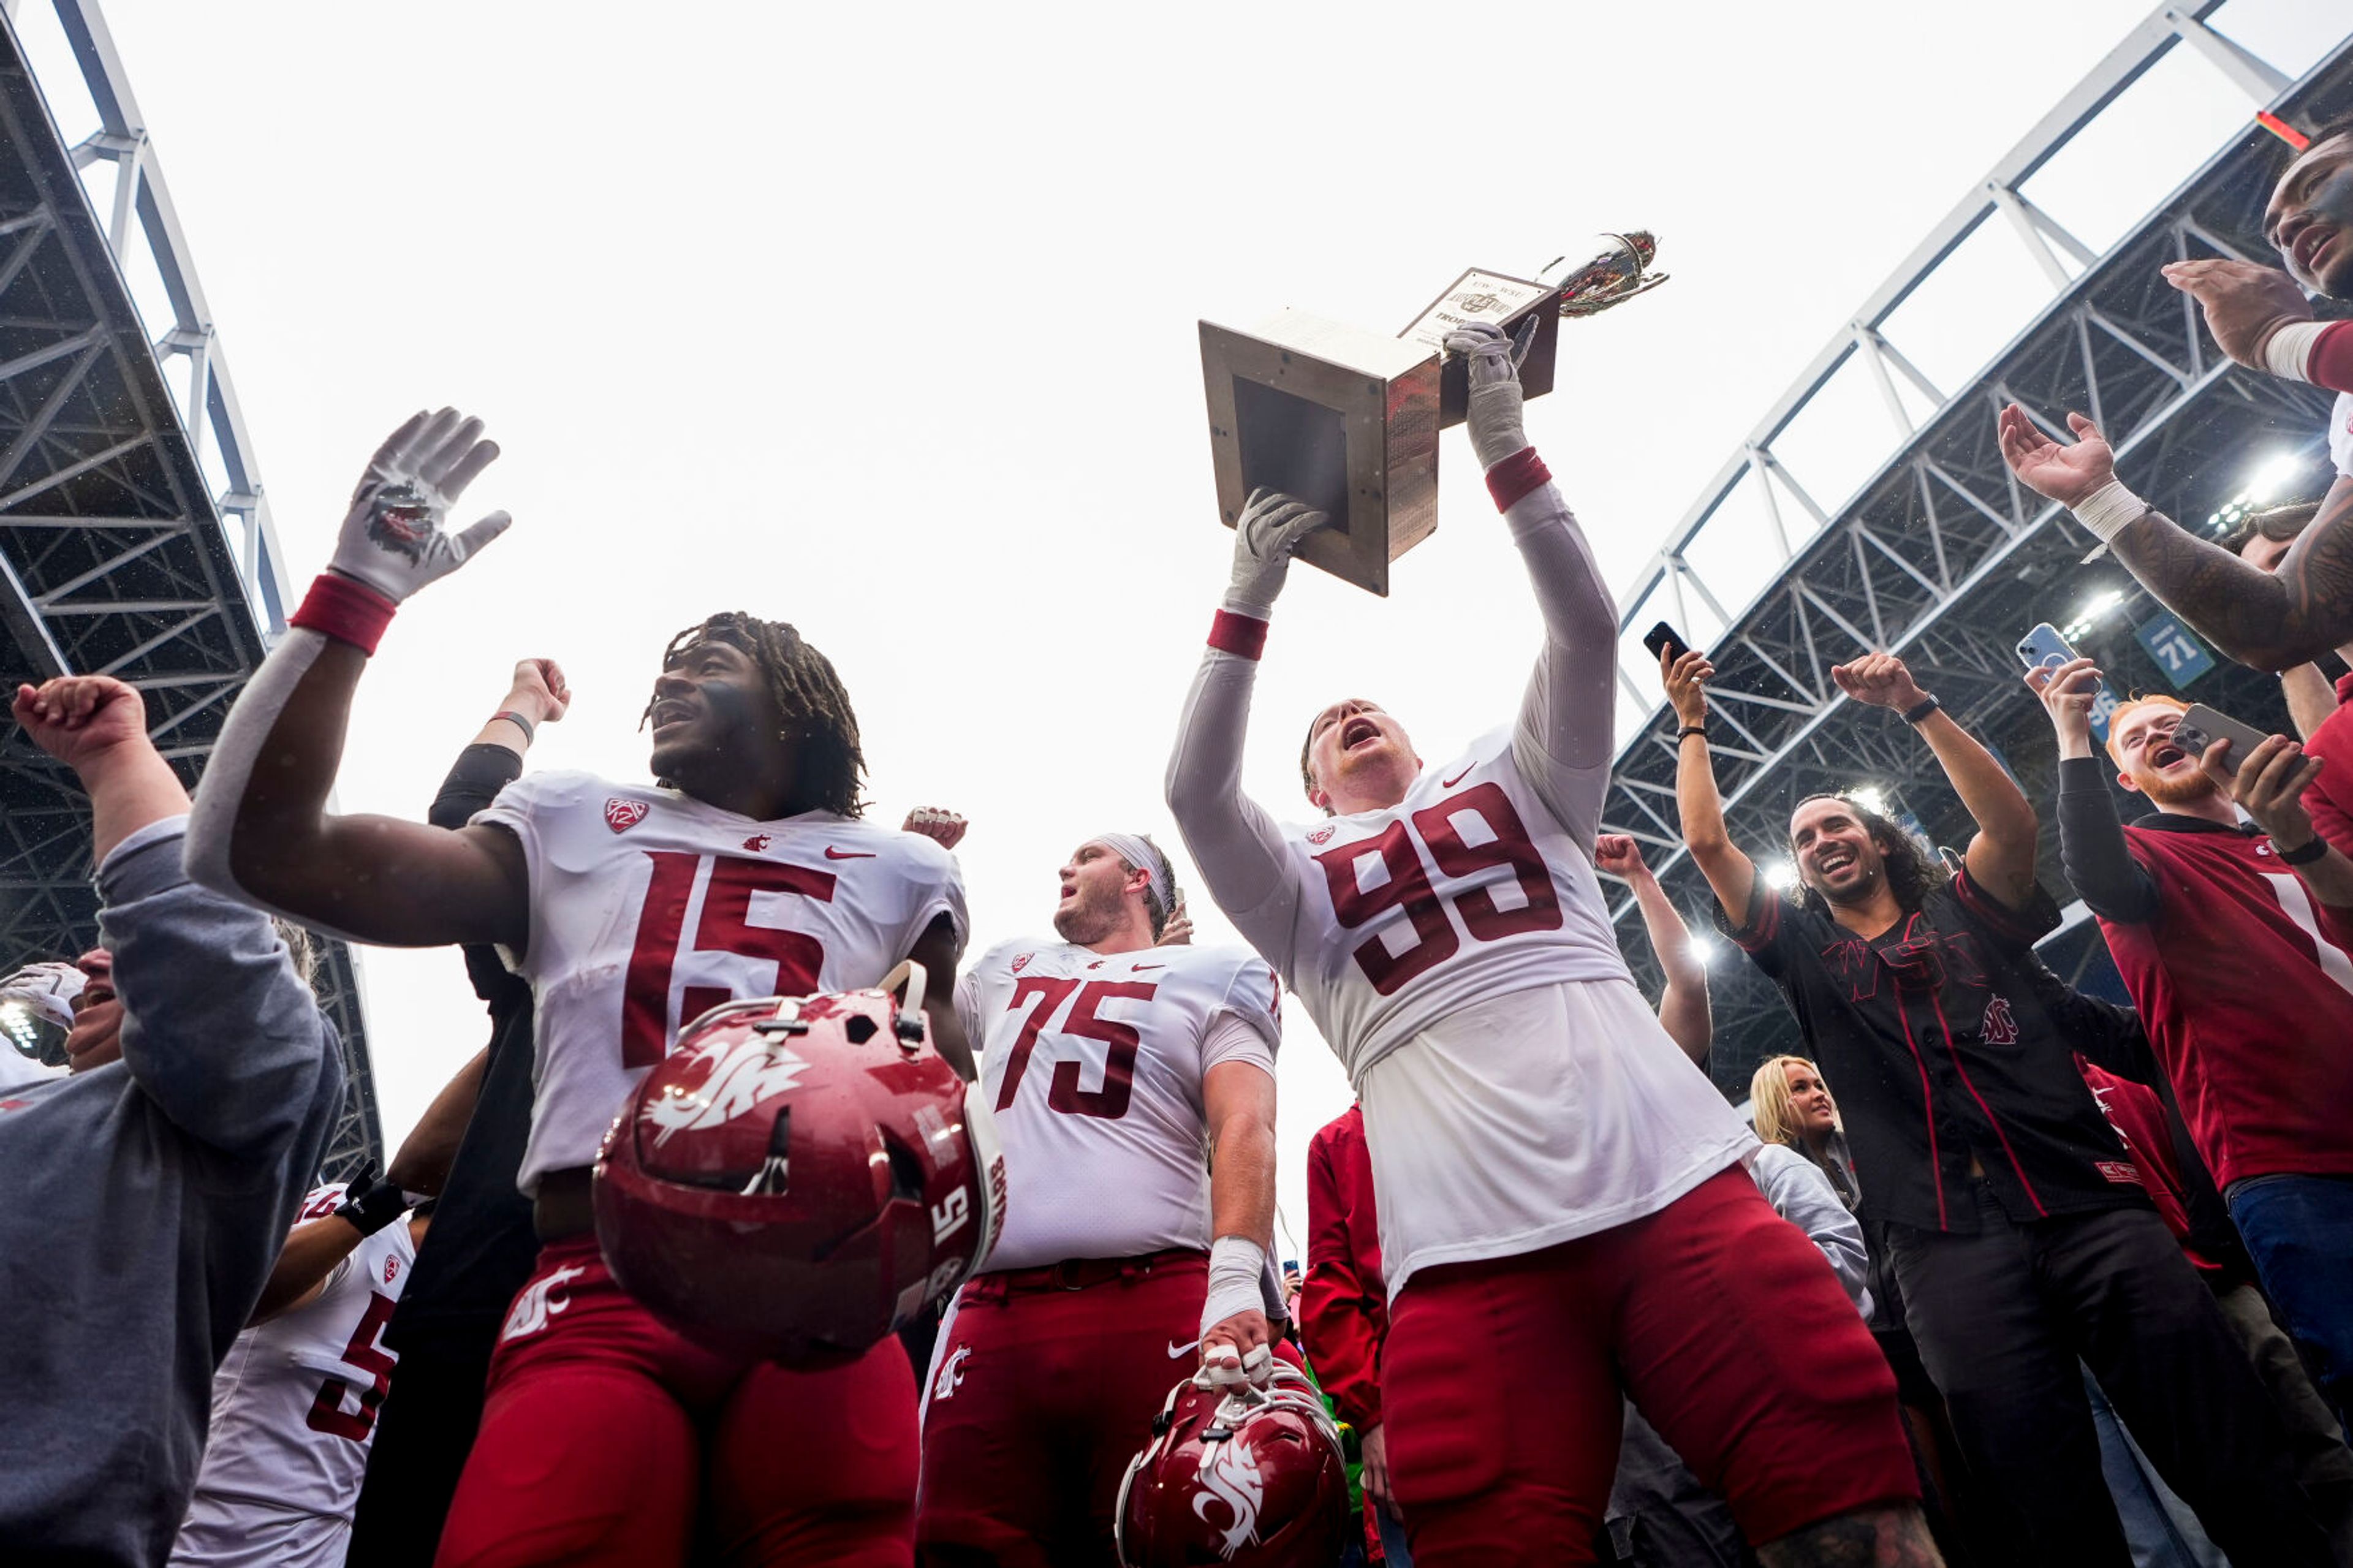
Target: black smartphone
1665,642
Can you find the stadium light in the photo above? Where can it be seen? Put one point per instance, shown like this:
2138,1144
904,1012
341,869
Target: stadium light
18,1022
2089,615
2266,482
1781,876
1703,948
1869,797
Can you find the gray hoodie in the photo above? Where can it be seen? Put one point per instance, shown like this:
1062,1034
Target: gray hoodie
142,1205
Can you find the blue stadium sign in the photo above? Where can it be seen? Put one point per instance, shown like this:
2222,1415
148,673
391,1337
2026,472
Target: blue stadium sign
2177,653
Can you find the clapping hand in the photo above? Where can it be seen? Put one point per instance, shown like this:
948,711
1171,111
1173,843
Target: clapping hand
2067,474
2244,304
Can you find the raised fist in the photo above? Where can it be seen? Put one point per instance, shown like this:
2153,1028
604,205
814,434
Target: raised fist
76,718
1880,680
941,826
1617,853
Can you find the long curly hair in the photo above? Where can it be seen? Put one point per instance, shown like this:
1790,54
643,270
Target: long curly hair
1914,870
820,724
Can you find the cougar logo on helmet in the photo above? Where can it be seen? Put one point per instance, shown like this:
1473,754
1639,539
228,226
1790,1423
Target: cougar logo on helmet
1231,1477
741,1076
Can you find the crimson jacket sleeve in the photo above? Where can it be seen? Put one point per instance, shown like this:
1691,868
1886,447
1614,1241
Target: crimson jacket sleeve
1342,1317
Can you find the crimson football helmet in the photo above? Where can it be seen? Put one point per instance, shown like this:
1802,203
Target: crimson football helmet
1247,1475
801,1178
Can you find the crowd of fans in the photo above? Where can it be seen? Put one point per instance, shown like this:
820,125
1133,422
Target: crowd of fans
1998,1272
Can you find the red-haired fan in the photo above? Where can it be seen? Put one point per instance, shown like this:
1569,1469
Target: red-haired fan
799,1178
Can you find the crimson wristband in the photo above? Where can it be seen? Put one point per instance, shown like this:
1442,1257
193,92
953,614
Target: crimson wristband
1244,636
346,609
2330,363
1512,480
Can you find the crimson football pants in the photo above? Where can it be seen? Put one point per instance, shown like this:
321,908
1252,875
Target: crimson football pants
1501,1382
1040,1396
607,1438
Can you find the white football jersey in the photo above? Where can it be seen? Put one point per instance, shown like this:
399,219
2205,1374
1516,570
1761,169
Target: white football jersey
1463,890
2340,433
649,907
1093,1065
295,1403
1455,950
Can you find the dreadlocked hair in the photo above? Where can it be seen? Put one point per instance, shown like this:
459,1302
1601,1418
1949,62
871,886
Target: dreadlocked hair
1914,870
818,719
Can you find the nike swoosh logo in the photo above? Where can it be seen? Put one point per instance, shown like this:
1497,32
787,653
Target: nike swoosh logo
833,854
1188,1348
1140,968
1458,778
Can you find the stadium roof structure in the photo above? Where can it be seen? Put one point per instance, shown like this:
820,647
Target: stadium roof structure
135,538
1937,555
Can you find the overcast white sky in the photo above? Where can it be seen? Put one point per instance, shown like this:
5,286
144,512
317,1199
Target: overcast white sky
880,319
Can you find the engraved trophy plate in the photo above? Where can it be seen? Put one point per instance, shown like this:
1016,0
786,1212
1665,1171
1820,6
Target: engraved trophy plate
1479,296
1343,419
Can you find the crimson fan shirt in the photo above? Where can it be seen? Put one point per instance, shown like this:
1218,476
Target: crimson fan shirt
2330,797
1935,1041
2244,981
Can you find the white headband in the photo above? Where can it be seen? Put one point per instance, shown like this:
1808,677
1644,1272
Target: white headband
1131,849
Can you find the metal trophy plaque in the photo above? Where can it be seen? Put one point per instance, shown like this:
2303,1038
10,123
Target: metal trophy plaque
1347,420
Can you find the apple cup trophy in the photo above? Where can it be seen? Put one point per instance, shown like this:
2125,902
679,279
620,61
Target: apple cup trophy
1347,420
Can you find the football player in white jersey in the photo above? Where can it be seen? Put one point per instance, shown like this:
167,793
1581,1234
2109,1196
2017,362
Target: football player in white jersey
1134,1090
294,1403
1562,1211
630,908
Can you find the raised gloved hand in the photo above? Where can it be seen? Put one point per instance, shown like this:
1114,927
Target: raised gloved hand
370,1202
1495,399
1269,528
394,538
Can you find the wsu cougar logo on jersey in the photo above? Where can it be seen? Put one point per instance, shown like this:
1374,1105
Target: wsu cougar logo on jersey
621,815
534,1307
742,1075
1231,1477
1999,1027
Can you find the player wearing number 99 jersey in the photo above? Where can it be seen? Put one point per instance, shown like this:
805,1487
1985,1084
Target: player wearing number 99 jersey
294,1406
1122,1075
606,1437
1562,1211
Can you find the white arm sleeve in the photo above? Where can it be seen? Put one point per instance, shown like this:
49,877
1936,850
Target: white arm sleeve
1804,1197
1564,737
1230,838
213,822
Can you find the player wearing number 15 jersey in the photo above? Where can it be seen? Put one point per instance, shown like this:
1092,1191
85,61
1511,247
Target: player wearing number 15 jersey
606,1437
1133,1093
1562,1209
294,1405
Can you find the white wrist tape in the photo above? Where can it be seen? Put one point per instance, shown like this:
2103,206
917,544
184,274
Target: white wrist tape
1236,1265
2290,349
2107,510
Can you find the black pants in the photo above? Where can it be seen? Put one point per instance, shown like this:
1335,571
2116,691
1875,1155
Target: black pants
423,1434
2003,1315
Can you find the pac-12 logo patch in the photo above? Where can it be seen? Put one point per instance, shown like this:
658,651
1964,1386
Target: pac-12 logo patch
1321,834
621,815
1022,961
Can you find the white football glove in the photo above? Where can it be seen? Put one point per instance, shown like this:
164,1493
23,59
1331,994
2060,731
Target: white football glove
1269,528
1495,399
394,538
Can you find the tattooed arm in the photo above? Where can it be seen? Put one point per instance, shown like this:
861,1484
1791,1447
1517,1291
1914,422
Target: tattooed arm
2270,620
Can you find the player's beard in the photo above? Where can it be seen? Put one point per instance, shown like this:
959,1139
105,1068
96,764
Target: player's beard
2169,792
1086,922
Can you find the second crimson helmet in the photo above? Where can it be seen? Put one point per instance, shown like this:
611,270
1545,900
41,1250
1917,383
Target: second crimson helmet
801,1178
1246,1476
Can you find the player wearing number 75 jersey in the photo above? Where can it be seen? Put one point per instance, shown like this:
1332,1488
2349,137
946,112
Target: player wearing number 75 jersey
630,908
2233,939
1562,1208
294,1406
1134,1091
